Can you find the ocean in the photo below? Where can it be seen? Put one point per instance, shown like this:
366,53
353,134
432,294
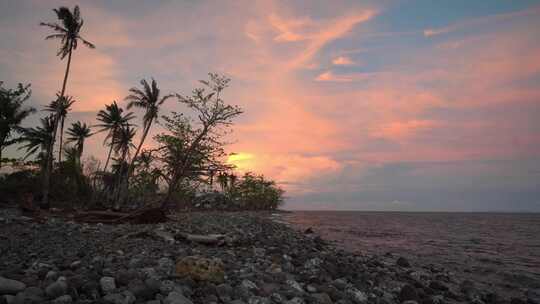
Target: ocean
498,250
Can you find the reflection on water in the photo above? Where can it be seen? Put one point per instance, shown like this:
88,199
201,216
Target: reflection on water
500,249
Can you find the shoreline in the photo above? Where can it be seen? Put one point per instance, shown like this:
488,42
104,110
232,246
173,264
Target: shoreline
257,260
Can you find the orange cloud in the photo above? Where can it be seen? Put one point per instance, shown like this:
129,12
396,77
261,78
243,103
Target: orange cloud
401,130
342,60
329,76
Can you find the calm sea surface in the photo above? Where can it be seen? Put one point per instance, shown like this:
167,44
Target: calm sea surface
500,250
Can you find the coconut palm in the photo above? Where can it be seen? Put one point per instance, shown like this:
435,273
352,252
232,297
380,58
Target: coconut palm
112,119
78,133
61,106
69,34
12,113
123,142
38,138
148,98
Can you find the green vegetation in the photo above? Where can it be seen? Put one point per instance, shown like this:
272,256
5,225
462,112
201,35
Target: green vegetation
185,167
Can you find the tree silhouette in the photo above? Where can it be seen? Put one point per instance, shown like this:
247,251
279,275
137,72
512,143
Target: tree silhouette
61,106
112,119
78,133
69,34
12,113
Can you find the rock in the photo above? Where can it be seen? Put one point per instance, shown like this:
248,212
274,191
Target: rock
65,299
107,284
125,297
438,286
533,296
30,295
259,300
51,276
408,292
403,262
201,269
176,298
8,299
90,289
75,265
296,300
8,286
295,285
340,284
517,301
310,288
165,266
141,290
356,295
313,263
321,298
123,277
224,292
247,284
57,289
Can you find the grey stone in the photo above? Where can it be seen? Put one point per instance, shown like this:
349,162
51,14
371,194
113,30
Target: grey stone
107,284
177,298
57,289
8,286
65,299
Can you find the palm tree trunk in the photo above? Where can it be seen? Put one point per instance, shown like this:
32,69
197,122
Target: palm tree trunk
125,181
139,147
108,158
61,135
48,163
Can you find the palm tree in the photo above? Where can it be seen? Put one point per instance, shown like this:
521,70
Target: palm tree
78,133
12,113
123,142
112,119
38,138
61,106
148,99
69,34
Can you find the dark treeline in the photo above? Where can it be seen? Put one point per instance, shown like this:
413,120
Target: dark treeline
186,169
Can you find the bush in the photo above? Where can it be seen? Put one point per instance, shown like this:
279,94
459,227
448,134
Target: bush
254,192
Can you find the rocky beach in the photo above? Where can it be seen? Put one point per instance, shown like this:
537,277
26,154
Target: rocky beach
210,257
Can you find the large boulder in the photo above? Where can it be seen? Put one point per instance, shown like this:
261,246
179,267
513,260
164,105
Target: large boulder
201,269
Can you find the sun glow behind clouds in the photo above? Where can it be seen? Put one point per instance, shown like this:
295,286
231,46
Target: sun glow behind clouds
243,162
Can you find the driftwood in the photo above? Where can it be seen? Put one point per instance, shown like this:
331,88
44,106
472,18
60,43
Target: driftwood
208,239
141,216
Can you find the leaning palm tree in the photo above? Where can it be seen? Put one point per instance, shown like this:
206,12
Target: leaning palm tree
78,133
112,119
12,113
149,100
61,106
69,34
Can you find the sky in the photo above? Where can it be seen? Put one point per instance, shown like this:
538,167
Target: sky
404,105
